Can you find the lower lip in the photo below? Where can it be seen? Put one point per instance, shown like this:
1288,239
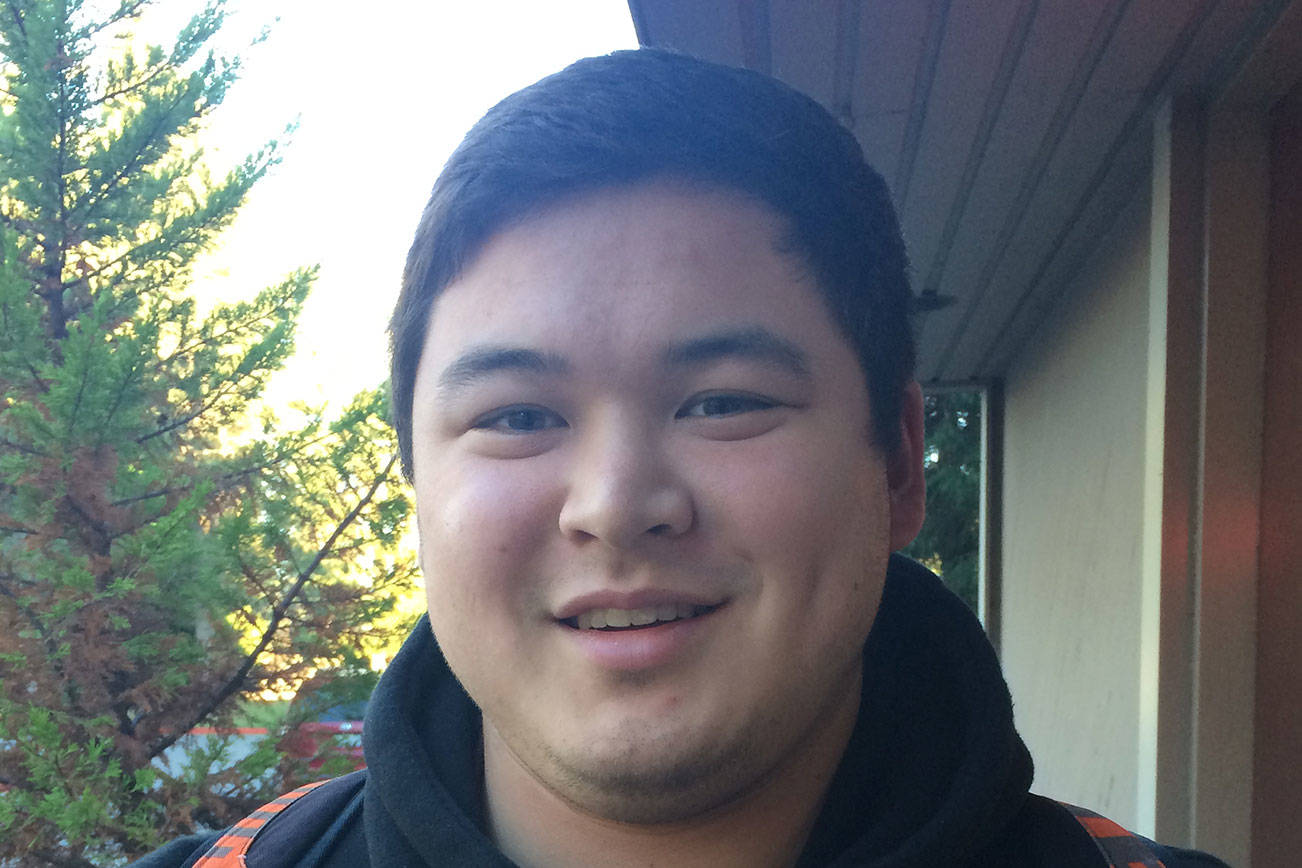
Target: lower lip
643,648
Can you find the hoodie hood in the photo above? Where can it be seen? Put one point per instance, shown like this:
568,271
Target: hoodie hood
933,771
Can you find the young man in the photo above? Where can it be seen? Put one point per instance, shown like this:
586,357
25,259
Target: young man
652,377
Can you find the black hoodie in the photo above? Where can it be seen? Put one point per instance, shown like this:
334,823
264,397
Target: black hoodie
934,776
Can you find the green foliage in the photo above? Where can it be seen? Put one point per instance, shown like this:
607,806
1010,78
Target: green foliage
79,789
168,552
949,542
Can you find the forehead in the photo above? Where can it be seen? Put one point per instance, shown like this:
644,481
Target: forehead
626,265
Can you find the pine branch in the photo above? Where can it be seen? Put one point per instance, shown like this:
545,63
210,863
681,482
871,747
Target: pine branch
132,162
124,12
134,86
226,389
230,330
51,647
100,269
18,17
57,313
105,532
278,614
233,476
193,235
23,448
150,495
117,400
39,381
76,404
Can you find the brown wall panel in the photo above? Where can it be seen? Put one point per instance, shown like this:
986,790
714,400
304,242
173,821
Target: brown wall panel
1277,785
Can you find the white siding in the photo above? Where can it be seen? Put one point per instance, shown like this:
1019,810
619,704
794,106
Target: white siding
1073,522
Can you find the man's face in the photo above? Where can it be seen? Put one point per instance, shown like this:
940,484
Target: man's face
653,524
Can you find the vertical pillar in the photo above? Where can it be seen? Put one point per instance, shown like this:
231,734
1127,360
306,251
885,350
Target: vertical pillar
989,522
1237,209
1202,476
1277,785
1171,476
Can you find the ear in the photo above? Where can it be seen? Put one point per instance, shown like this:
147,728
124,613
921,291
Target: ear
908,488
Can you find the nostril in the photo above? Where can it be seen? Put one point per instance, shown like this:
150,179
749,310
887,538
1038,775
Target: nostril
660,529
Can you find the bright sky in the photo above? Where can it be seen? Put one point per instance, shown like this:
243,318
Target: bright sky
383,91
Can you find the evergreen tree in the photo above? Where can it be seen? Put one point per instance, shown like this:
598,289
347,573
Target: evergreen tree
167,551
949,542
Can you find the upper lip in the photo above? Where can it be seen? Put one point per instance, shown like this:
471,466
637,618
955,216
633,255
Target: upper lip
641,599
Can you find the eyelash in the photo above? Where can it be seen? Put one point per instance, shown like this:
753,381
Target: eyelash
491,421
750,403
498,420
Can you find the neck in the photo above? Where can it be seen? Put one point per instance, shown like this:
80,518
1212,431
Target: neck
766,826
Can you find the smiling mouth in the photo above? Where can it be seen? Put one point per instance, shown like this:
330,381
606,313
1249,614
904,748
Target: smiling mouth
611,620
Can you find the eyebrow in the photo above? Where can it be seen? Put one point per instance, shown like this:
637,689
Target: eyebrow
757,344
481,362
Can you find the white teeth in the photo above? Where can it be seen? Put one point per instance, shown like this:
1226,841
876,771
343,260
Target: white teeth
595,619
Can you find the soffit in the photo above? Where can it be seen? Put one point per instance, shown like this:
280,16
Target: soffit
1011,133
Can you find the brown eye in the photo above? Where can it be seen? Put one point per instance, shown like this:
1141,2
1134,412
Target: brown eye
724,405
520,420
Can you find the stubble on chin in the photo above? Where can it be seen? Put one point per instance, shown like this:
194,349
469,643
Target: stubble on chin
651,778
673,787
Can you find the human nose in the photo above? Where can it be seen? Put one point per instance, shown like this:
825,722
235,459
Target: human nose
622,489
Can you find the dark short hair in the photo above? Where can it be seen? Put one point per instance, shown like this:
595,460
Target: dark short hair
636,115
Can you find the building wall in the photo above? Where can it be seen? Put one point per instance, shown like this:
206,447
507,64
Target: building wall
1073,518
1277,785
1147,435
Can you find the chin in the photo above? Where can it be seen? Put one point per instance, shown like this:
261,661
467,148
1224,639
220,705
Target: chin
650,779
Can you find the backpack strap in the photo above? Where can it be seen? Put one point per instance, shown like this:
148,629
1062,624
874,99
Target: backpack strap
231,847
1120,848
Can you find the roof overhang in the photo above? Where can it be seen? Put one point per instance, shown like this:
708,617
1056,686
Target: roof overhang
1012,133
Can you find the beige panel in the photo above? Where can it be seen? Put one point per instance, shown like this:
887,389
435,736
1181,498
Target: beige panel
1172,474
1073,511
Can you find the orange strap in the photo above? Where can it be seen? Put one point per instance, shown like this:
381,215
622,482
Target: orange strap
1122,849
230,848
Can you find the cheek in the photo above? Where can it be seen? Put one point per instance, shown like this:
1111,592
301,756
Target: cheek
814,521
479,528
800,498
